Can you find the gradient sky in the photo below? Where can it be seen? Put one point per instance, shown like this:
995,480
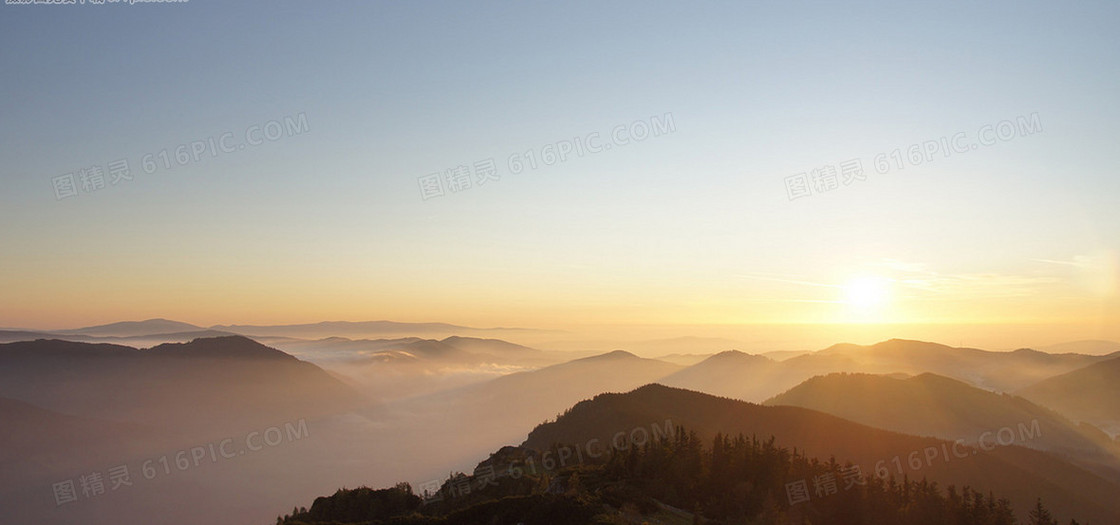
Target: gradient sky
693,226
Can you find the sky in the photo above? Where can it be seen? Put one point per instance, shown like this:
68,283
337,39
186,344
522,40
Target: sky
737,164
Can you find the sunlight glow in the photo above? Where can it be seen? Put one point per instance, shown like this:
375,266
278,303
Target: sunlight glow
866,293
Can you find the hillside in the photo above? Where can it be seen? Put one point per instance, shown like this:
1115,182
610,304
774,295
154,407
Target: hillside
665,455
229,381
1089,394
757,378
932,405
1019,473
133,328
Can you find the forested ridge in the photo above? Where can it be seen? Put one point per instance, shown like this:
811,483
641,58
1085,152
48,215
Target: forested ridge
677,478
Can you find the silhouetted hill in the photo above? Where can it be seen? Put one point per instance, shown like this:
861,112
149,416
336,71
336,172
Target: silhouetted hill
432,349
687,344
663,455
226,347
731,373
227,381
615,355
495,347
59,349
1087,347
340,328
932,405
507,353
1089,394
133,328
751,379
140,341
499,410
1002,371
39,447
10,336
389,369
466,349
338,348
558,386
32,436
683,359
35,442
1021,474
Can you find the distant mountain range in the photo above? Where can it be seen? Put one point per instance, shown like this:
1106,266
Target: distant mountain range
414,349
341,328
483,391
164,330
133,328
500,409
392,368
1089,347
756,378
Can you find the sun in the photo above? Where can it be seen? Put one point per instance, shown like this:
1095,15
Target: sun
867,292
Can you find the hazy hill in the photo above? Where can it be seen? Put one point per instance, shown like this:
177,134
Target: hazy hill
364,351
503,351
35,442
539,394
1089,394
731,373
226,381
645,347
457,347
1087,347
139,341
74,408
681,345
133,328
1021,474
388,369
229,347
501,409
683,359
39,447
932,405
782,355
756,378
8,336
339,349
341,328
30,433
1002,371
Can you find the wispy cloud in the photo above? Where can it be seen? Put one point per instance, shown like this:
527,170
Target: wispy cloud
927,283
1098,274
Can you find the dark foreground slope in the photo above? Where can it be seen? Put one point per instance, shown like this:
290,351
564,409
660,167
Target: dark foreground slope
675,456
1021,474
